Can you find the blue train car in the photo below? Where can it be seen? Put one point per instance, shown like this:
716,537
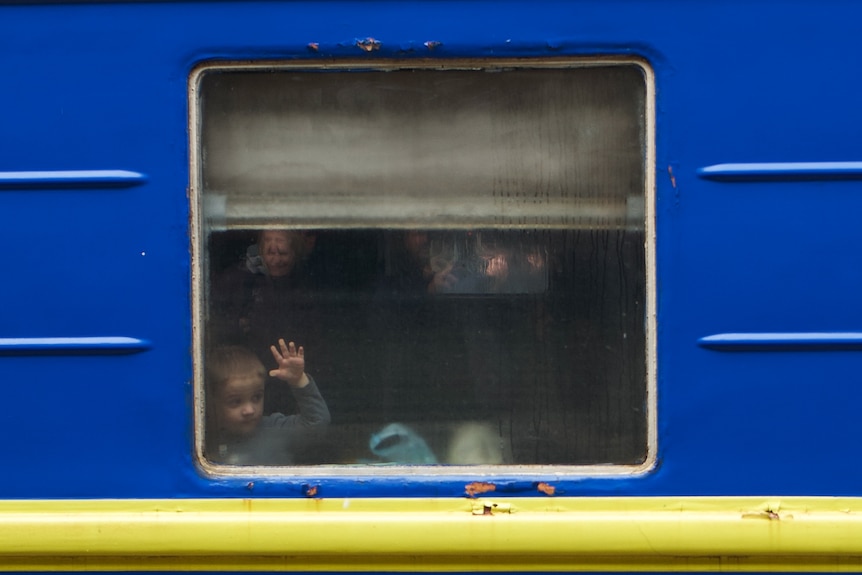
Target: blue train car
440,286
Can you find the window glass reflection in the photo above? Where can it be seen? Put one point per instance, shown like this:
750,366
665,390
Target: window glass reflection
459,253
448,347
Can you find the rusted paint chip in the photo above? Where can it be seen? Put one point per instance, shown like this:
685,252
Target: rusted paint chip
477,487
368,44
432,44
313,46
767,514
311,491
546,488
491,508
771,511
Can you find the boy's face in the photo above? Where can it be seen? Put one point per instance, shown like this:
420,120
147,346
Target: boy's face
277,252
239,404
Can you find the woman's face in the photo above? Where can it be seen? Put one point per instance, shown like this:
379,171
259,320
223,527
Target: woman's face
277,252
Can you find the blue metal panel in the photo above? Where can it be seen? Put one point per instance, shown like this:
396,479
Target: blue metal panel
102,88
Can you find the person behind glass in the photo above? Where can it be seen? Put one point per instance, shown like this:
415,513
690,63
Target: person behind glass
412,319
414,271
261,287
266,296
237,432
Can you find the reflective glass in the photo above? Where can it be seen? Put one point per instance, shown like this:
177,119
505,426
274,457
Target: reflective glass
461,254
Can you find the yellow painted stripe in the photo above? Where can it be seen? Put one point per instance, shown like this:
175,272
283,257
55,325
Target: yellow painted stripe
538,534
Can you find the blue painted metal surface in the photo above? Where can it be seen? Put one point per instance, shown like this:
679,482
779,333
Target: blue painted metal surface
71,178
71,345
100,86
783,171
782,341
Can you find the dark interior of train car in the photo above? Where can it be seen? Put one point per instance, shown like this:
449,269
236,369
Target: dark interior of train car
531,351
462,254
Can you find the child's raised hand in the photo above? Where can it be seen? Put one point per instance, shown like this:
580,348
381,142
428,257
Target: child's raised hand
291,364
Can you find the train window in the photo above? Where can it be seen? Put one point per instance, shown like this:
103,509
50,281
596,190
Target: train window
461,249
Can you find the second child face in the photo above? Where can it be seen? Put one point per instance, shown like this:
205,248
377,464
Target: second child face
239,404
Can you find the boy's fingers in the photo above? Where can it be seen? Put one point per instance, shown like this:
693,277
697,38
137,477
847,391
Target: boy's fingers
301,351
283,345
275,353
273,372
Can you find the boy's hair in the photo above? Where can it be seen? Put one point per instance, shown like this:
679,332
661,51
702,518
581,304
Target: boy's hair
226,361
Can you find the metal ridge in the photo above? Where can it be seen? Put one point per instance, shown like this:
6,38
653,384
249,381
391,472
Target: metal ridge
100,345
53,179
782,171
791,341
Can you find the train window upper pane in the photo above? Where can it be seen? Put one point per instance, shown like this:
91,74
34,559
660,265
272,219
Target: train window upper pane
461,252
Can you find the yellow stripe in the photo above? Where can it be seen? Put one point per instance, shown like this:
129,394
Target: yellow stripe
538,534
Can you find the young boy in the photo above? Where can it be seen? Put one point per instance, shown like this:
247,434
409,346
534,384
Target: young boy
237,433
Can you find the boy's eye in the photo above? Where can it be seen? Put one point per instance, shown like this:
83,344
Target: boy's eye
257,398
236,402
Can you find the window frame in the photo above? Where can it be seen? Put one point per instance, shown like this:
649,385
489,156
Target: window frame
199,277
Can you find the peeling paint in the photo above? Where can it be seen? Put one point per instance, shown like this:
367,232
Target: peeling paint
767,514
770,511
433,44
491,508
546,488
672,177
313,46
311,490
368,44
477,487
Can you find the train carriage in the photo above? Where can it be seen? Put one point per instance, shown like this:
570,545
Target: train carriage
434,286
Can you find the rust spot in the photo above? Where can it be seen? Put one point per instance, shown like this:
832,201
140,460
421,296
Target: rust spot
672,178
432,44
368,44
313,46
491,508
311,491
477,487
769,514
546,488
249,485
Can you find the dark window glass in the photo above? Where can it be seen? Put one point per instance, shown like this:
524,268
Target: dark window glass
461,253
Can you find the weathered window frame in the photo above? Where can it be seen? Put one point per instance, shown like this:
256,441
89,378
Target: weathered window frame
198,270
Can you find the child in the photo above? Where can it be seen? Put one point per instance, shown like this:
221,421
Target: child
237,433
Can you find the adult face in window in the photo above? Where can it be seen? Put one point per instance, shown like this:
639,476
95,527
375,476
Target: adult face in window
279,250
